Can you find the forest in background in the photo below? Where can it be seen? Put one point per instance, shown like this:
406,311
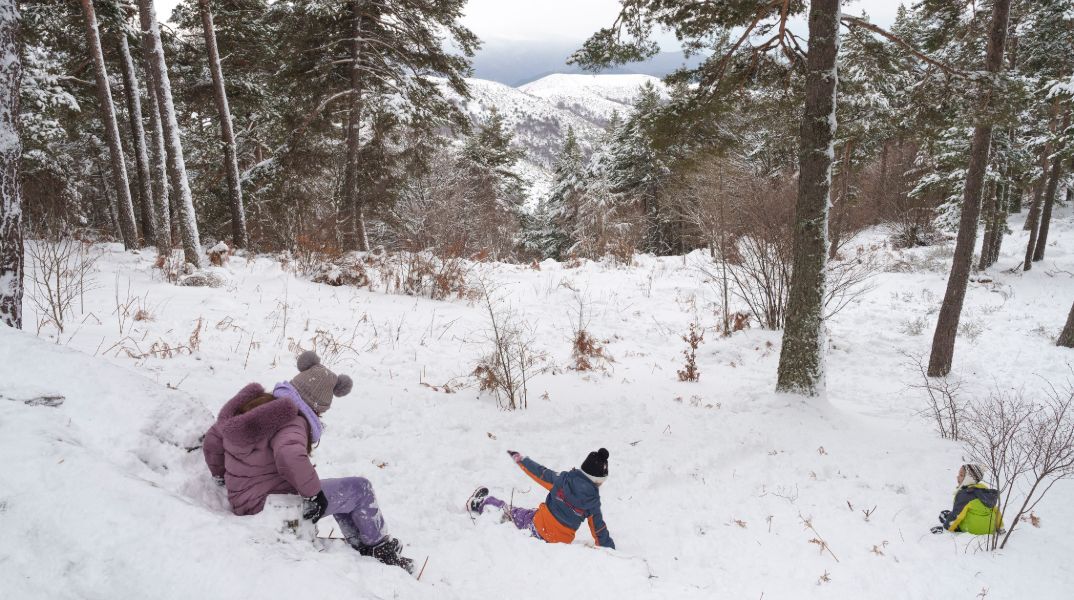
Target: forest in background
319,127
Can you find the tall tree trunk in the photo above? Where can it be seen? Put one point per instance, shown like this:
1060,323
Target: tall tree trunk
158,68
1003,199
109,204
988,216
943,341
1049,195
1014,200
11,248
127,225
134,111
159,171
1066,338
238,214
1034,217
352,197
839,219
801,360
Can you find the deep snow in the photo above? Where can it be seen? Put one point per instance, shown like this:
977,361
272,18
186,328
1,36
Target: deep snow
100,498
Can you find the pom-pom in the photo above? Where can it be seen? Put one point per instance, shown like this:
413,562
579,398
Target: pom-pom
343,386
603,454
308,360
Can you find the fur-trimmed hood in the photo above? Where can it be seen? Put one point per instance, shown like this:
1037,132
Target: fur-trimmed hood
260,423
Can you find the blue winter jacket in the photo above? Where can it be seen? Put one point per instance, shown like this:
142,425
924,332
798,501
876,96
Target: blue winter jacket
572,498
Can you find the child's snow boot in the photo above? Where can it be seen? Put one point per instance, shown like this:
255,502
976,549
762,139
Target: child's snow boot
387,552
477,500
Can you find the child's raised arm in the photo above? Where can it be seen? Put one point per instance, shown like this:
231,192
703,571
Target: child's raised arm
544,477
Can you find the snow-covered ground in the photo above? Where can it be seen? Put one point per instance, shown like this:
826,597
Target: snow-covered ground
101,497
593,97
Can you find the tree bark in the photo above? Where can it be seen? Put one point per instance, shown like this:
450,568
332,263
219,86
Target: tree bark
840,206
1003,199
11,246
943,341
352,197
134,112
158,68
801,361
159,172
127,226
227,134
1066,338
1049,195
988,216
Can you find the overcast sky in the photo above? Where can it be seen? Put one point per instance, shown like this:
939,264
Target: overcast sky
575,20
570,20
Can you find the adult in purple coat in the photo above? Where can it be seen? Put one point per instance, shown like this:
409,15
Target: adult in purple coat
261,444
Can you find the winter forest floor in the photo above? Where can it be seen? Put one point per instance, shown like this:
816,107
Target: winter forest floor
709,485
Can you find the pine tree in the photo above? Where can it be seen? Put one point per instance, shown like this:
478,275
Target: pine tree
943,344
801,362
11,248
1047,51
159,166
371,52
158,75
111,129
227,134
1066,337
492,187
557,215
147,215
640,172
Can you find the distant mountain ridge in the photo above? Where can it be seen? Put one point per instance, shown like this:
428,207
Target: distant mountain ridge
517,63
540,113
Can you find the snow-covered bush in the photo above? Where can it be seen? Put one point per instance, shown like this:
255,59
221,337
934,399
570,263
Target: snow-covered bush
587,353
511,360
912,228
1027,447
944,405
214,277
406,273
693,338
61,272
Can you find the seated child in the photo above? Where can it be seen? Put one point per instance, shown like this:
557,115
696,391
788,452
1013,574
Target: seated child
260,445
573,497
976,508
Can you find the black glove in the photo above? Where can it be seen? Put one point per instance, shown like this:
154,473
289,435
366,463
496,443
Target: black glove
938,529
515,456
313,507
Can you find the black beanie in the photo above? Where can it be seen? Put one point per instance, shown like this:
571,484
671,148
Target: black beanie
596,464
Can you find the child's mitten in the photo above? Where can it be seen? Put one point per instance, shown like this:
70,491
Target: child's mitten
313,507
515,456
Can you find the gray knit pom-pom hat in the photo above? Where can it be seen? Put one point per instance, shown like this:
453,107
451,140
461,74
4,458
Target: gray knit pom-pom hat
316,384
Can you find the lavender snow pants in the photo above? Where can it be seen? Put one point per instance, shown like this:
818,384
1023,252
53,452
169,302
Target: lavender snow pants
521,517
352,503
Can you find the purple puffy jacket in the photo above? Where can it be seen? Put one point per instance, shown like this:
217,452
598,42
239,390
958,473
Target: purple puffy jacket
261,452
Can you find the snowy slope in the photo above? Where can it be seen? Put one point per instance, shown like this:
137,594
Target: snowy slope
592,97
99,497
541,112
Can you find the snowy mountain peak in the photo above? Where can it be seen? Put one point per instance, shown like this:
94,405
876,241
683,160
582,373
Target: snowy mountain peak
617,88
541,112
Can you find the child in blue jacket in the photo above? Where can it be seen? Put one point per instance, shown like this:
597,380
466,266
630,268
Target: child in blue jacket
573,497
